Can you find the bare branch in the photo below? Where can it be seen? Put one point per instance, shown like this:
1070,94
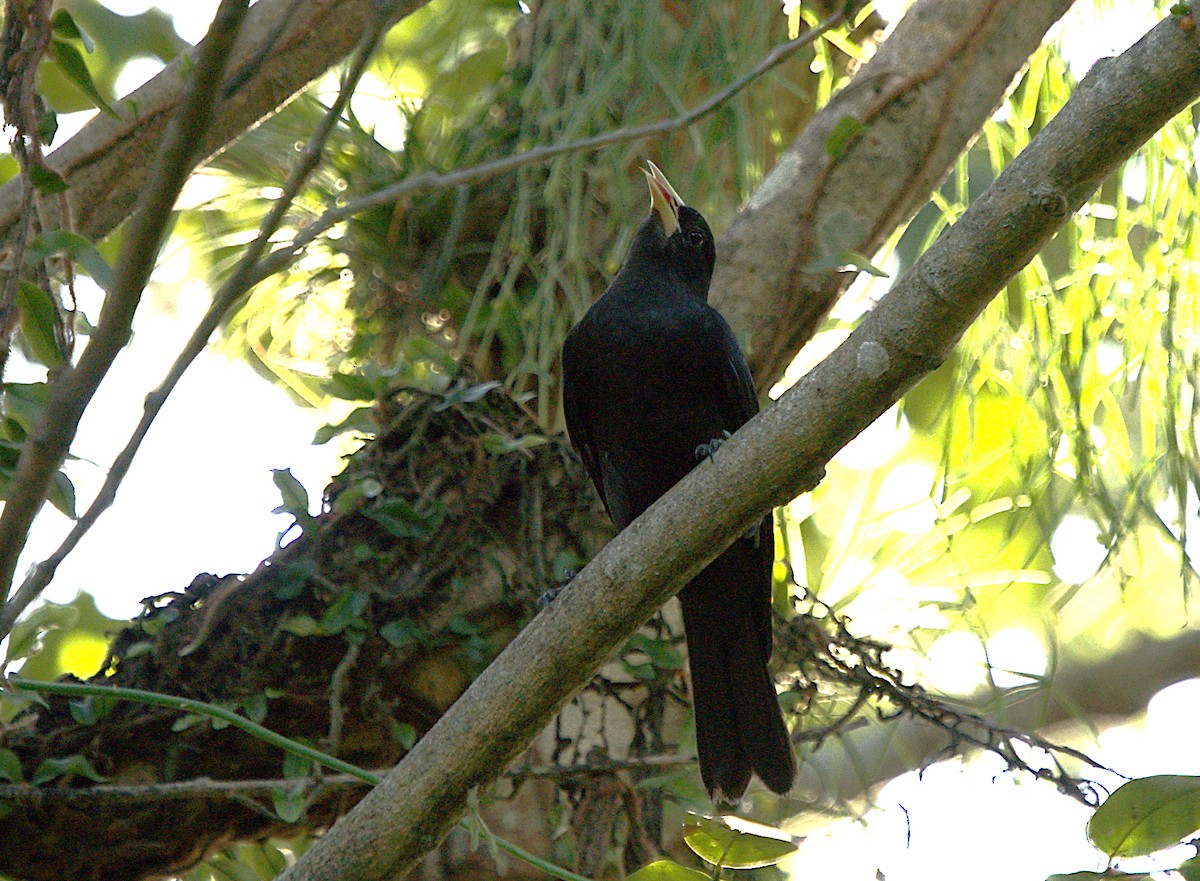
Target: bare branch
1115,109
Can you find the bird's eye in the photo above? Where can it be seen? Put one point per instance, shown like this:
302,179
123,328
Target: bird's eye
696,237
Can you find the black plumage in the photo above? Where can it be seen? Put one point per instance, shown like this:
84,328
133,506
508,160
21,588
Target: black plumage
652,376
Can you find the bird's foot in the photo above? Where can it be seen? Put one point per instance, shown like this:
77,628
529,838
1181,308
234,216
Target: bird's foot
708,450
551,595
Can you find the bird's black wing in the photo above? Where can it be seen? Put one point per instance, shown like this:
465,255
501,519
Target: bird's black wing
740,398
609,482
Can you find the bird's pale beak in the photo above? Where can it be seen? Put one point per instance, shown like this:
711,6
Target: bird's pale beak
663,198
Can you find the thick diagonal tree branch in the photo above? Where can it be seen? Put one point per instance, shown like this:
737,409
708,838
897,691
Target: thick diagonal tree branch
777,455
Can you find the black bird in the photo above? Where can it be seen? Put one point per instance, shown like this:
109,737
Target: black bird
653,380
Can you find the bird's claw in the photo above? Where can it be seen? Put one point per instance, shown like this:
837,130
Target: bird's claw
708,450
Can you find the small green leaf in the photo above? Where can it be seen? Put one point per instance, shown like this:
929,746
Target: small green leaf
47,180
465,394
361,420
62,495
70,62
90,710
662,654
845,132
345,610
75,246
255,707
47,126
289,803
402,633
301,625
187,720
10,767
52,769
351,387
404,734
295,496
39,323
1147,815
748,846
665,870
498,444
402,520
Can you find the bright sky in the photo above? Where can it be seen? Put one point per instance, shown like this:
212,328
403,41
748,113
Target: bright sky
200,495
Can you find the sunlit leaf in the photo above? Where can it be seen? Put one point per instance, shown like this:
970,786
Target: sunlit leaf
39,320
749,846
75,246
10,767
1147,815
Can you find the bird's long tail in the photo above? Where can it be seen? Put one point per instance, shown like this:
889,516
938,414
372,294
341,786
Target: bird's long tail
739,727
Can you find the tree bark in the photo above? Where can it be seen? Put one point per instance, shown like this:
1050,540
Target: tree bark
1121,104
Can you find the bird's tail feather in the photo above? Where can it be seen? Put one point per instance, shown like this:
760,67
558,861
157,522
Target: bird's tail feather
739,727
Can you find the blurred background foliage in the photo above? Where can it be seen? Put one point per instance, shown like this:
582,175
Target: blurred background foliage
1042,482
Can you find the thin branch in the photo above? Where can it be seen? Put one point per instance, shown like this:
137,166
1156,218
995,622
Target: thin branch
278,259
48,443
235,286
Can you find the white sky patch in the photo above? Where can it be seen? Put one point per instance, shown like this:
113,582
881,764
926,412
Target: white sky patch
1016,655
1076,548
877,443
135,73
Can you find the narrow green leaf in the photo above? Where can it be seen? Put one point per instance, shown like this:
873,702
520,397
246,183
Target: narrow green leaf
295,496
398,517
62,495
1147,815
70,62
301,625
39,321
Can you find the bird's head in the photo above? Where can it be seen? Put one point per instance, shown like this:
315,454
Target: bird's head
681,232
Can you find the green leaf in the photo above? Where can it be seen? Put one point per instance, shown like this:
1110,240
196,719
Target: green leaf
352,387
295,496
498,444
75,246
748,846
665,870
64,26
297,767
255,707
401,519
10,767
845,132
62,495
345,610
404,734
361,420
402,633
465,394
91,709
47,180
1147,815
23,640
289,803
301,625
52,769
39,322
662,654
186,721
70,62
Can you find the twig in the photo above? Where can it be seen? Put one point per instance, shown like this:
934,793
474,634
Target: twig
281,257
236,285
49,441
